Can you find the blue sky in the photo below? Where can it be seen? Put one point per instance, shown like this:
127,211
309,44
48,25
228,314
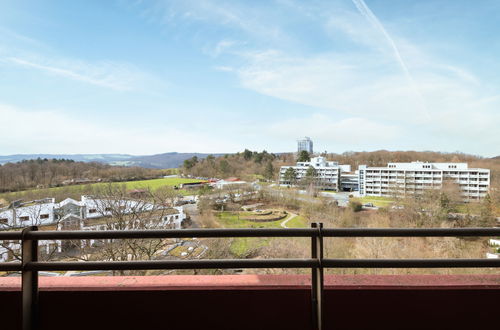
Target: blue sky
145,77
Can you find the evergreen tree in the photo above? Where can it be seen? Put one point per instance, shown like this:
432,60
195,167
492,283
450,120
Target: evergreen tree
304,156
269,171
290,175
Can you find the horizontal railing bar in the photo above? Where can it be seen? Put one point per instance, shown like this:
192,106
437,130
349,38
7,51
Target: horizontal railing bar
10,235
255,232
410,263
173,264
172,233
409,232
10,267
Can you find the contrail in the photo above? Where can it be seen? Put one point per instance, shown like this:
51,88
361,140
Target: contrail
370,16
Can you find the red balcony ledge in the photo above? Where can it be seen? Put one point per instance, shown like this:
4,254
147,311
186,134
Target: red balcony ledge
258,302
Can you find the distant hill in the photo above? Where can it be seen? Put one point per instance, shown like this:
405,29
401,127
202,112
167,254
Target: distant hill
497,157
166,160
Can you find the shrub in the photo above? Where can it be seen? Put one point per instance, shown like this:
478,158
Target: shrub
355,206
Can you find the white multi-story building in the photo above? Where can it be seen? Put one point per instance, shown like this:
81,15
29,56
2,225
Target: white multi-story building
47,211
327,174
349,181
415,177
305,144
85,214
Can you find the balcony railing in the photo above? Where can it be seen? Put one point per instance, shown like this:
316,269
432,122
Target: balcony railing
30,265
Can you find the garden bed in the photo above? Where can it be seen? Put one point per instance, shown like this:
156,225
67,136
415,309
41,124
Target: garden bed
265,216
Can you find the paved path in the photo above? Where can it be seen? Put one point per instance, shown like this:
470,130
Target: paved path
290,217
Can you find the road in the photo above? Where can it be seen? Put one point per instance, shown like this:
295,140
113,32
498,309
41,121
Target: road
192,211
341,197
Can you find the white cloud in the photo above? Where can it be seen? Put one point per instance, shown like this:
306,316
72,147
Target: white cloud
247,18
222,46
43,131
353,130
30,54
357,66
107,74
356,87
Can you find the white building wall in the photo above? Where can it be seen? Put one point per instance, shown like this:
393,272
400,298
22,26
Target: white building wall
305,144
45,213
34,211
416,177
327,172
29,215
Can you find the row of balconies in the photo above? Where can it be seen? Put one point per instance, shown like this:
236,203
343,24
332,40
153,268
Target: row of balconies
424,184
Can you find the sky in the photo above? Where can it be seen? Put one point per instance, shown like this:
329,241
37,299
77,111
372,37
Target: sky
215,76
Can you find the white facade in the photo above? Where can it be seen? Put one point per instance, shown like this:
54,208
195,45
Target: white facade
327,173
47,211
415,177
305,144
221,184
79,215
36,212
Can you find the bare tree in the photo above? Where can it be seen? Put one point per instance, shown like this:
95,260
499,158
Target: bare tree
113,209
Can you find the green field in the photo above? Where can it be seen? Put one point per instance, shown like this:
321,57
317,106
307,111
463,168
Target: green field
297,222
157,183
241,246
232,220
152,184
375,200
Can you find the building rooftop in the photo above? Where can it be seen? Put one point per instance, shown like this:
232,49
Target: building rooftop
418,165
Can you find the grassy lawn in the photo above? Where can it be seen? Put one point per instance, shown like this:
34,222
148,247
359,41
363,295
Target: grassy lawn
241,246
232,220
177,251
473,208
264,183
152,184
157,183
297,222
378,201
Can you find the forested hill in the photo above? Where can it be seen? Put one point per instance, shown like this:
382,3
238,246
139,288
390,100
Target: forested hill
176,159
40,172
165,160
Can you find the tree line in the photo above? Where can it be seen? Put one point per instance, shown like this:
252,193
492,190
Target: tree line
249,162
245,165
28,174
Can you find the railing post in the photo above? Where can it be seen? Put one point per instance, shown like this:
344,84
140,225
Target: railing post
29,281
317,279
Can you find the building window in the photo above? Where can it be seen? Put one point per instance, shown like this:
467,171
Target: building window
25,218
44,216
4,221
92,211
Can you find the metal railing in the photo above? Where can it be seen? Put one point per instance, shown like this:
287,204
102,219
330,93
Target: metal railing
30,265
